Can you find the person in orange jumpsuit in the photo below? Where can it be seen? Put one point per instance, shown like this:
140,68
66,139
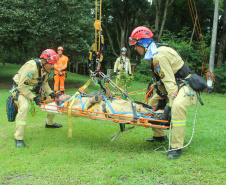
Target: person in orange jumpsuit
59,72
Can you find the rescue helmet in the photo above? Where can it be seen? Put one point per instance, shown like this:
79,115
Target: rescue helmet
123,49
139,33
60,48
50,56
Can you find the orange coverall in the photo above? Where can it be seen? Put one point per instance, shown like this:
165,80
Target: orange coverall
59,79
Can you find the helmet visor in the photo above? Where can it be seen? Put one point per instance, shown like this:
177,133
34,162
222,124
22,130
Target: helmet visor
53,59
132,41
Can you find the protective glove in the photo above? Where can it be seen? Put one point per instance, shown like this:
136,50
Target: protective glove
115,73
53,95
161,104
37,100
130,74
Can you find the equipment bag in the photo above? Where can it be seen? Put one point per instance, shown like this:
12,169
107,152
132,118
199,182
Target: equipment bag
11,108
197,82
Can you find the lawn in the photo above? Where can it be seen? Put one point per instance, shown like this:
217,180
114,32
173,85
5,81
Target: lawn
88,157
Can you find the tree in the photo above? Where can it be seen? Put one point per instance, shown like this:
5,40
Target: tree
120,19
158,20
29,27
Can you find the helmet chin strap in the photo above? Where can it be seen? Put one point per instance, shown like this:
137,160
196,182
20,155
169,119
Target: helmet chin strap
146,49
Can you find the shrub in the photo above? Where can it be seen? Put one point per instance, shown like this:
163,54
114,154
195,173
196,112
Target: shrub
220,79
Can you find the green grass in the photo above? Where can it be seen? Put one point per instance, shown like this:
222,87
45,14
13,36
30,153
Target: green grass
51,157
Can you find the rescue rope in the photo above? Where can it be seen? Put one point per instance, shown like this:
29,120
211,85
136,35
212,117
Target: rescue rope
194,15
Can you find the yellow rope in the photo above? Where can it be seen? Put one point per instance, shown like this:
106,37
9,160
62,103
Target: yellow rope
72,99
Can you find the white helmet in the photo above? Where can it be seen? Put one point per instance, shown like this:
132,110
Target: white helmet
123,49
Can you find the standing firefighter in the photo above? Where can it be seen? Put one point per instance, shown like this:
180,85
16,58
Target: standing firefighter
59,72
122,64
31,84
167,66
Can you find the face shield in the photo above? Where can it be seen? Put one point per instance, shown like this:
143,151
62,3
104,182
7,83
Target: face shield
53,59
132,41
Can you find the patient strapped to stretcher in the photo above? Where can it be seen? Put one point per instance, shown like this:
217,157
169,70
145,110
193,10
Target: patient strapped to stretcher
102,106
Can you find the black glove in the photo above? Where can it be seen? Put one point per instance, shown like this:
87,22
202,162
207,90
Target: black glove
130,74
53,95
161,104
37,100
115,73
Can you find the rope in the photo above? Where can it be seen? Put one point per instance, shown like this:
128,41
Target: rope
193,11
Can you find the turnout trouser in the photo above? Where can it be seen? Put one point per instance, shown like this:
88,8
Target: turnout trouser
178,114
21,118
153,103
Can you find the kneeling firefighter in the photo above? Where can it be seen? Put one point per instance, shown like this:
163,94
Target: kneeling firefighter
30,84
170,71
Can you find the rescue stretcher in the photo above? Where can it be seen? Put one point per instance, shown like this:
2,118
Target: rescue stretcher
148,119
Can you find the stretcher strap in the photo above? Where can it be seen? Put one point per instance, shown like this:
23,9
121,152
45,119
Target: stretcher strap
83,104
112,110
70,106
96,105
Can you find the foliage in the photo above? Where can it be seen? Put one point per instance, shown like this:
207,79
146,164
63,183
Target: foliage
142,78
29,27
220,79
125,80
188,51
143,68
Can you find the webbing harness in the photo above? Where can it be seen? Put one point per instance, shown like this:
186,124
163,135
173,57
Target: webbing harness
187,84
38,89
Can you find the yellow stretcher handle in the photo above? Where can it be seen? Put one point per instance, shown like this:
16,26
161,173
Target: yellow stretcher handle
70,106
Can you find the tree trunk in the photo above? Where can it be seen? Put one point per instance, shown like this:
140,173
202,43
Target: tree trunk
222,41
157,18
76,67
111,42
164,19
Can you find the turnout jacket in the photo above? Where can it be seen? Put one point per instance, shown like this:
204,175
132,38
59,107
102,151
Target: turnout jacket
166,63
61,64
122,63
27,79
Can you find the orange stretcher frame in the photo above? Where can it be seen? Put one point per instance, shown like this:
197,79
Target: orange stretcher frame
107,116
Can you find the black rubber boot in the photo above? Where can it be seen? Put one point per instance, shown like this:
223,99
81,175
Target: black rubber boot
166,114
175,154
159,139
19,143
55,125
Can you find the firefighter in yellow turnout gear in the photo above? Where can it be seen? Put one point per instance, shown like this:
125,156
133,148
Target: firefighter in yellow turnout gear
31,84
167,65
122,64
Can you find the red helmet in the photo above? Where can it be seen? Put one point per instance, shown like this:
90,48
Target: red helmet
60,48
138,33
50,56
